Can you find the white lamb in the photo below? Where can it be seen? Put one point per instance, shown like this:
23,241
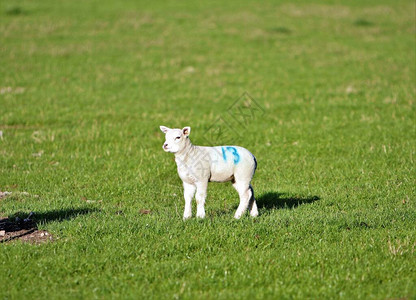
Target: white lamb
198,165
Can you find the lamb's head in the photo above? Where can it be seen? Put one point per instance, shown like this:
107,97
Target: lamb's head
176,139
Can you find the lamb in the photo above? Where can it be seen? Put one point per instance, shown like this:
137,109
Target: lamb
199,165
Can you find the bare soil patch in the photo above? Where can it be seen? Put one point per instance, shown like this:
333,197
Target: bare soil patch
26,230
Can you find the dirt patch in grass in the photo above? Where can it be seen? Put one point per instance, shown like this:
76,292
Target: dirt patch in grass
26,230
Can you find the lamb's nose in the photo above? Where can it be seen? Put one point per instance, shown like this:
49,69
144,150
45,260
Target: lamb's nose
165,146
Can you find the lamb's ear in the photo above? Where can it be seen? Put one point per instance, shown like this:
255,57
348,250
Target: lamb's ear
164,129
186,131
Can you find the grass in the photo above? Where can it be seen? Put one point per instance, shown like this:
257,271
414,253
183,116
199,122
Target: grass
85,86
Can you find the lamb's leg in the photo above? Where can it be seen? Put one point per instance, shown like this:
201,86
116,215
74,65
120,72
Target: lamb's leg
252,206
245,194
188,193
201,194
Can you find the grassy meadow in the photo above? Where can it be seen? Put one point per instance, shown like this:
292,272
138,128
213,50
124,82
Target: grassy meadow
84,86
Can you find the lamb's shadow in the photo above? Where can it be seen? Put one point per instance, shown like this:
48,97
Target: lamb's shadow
274,200
60,215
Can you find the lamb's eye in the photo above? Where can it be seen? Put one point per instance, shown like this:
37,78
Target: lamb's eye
177,138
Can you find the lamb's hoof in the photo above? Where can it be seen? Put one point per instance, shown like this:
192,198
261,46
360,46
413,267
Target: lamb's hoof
200,215
254,214
186,217
237,215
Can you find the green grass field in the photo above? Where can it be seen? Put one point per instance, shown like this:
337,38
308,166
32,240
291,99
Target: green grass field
84,86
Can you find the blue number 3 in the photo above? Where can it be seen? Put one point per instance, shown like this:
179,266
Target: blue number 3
234,153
